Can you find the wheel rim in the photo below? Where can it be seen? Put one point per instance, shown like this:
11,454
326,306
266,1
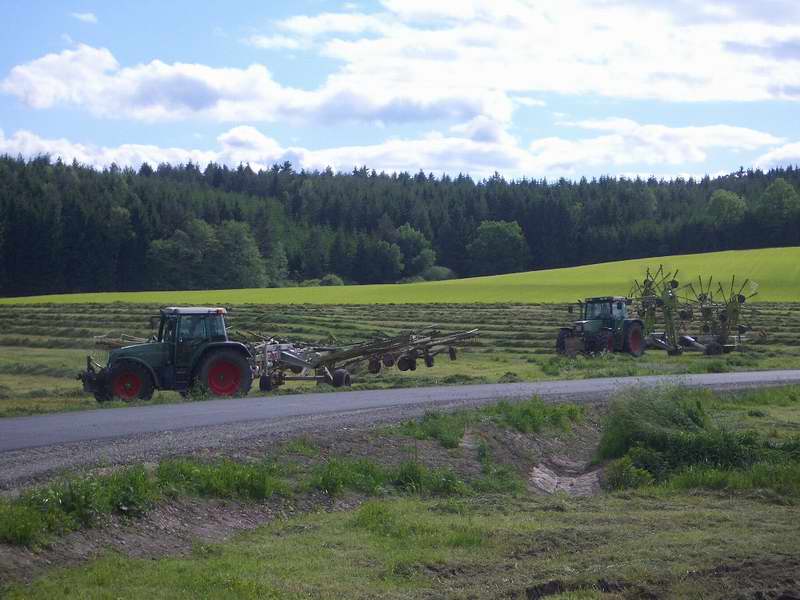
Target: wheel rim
224,378
636,341
127,385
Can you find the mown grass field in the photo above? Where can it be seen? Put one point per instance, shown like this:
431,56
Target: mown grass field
777,271
416,519
42,347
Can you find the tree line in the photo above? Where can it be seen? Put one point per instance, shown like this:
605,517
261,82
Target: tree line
72,228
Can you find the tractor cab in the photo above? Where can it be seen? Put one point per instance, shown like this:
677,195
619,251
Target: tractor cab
608,312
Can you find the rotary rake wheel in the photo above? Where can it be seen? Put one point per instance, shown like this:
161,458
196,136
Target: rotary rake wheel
721,312
660,290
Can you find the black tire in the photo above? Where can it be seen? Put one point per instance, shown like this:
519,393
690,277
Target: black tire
634,340
713,349
428,361
404,363
451,352
265,383
388,360
225,373
374,366
129,381
561,341
341,378
413,365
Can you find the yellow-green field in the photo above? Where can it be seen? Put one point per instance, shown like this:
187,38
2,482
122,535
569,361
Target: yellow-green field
777,271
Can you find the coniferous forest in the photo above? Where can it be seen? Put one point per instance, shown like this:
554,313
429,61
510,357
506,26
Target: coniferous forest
72,228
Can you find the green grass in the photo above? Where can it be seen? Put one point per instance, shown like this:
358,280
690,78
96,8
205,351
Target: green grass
526,416
469,548
73,503
777,270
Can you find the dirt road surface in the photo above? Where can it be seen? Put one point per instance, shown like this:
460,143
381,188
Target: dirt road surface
32,448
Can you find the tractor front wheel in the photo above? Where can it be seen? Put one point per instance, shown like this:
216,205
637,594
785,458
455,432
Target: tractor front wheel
561,341
634,340
130,381
226,373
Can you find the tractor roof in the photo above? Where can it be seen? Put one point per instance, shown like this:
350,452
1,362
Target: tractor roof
606,299
192,310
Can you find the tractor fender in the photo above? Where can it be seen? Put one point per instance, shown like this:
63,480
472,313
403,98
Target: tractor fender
235,346
138,361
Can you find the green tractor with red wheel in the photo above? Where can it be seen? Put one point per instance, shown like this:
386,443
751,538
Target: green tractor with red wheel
604,326
191,351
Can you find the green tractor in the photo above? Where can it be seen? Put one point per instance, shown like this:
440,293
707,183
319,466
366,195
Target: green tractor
191,349
604,327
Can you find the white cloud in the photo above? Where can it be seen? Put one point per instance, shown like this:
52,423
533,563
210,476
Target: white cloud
86,17
617,49
787,155
92,78
273,42
626,142
478,147
416,60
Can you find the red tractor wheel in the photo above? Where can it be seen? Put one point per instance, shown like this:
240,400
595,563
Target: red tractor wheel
226,373
634,340
130,381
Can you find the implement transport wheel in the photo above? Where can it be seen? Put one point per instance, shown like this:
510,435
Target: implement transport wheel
374,366
634,340
713,349
226,373
130,381
428,361
341,378
406,363
265,383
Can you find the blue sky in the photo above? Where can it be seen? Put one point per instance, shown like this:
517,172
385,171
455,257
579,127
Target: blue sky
535,89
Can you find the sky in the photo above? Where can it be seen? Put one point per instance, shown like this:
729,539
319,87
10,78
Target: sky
535,89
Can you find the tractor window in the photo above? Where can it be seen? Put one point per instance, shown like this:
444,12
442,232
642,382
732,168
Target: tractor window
168,332
193,327
599,310
620,310
216,327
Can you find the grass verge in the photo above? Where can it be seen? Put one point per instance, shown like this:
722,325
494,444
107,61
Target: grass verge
682,438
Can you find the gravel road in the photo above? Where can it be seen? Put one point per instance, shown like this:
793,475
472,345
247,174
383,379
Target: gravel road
32,448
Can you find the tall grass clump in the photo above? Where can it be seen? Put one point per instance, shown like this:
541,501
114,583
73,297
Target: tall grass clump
222,479
532,416
665,435
74,503
446,428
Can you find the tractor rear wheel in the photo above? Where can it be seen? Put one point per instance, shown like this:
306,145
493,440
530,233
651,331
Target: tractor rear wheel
225,373
130,381
634,340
